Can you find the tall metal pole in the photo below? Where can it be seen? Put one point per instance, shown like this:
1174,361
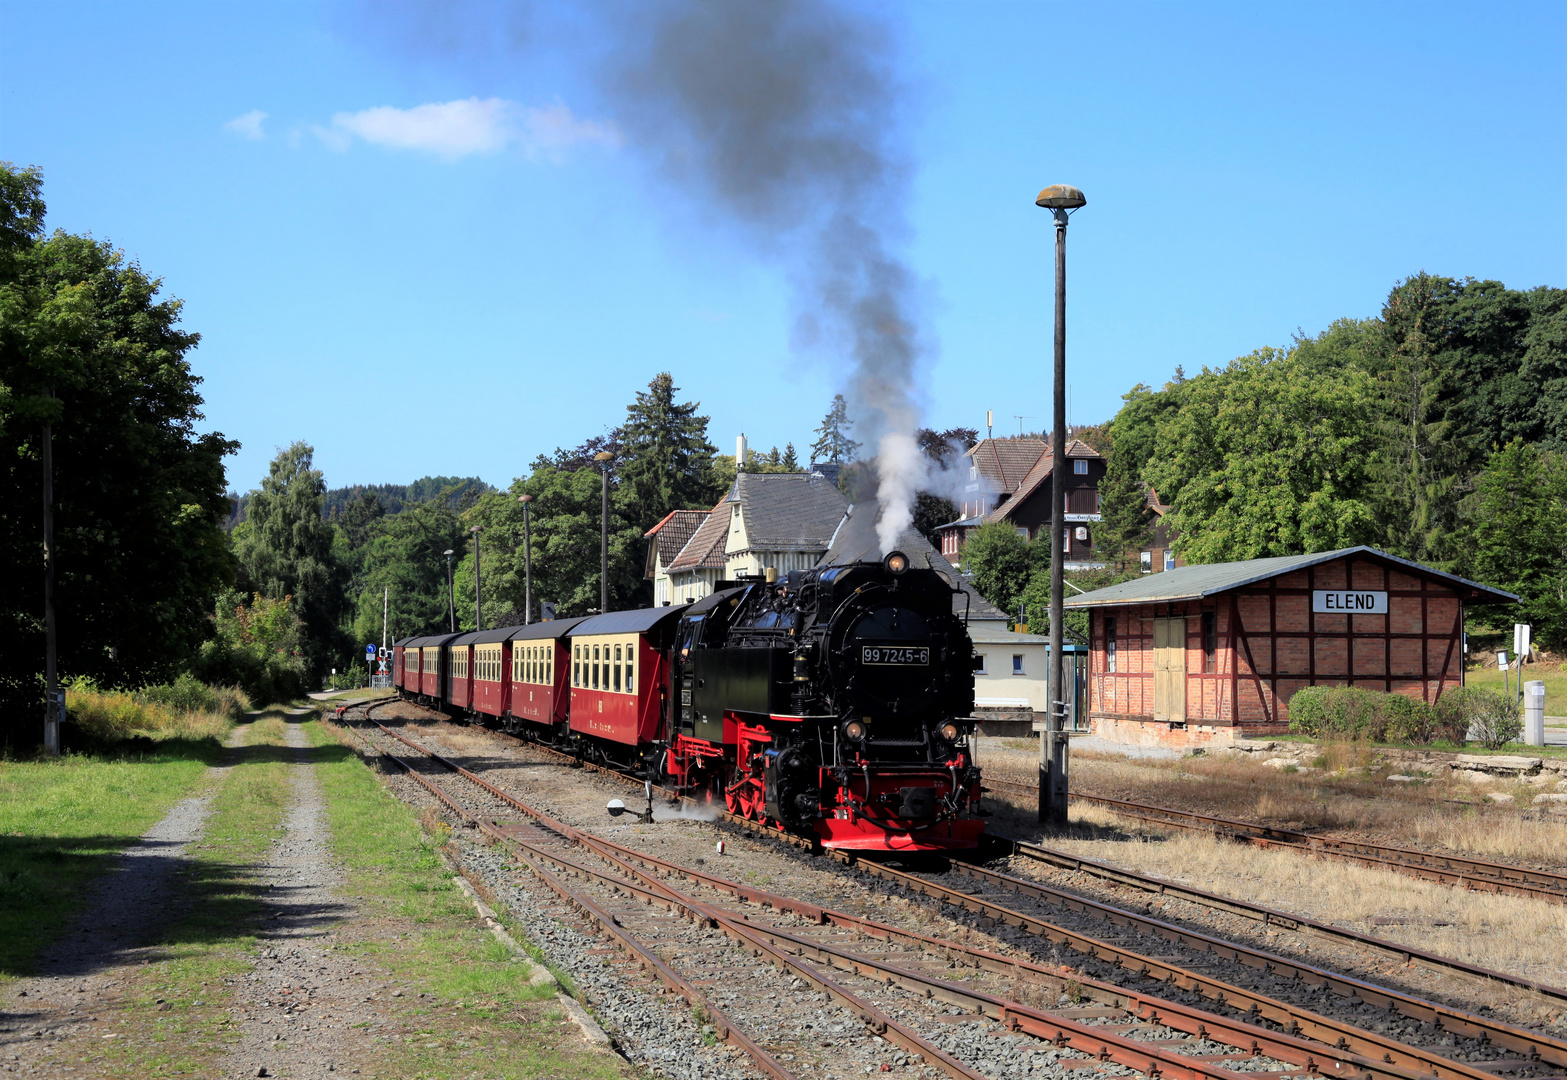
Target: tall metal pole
1053,742
451,594
527,560
386,601
53,703
478,602
604,547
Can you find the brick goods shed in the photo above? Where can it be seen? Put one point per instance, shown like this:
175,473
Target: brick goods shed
1202,655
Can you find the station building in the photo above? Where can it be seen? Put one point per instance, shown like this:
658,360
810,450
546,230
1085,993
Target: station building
1200,656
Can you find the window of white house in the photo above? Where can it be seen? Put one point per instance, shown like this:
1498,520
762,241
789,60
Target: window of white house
1022,531
1017,663
1080,468
981,669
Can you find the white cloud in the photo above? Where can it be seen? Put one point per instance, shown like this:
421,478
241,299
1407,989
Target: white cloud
248,125
455,129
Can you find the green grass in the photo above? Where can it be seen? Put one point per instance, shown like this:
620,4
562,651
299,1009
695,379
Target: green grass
483,1014
62,820
1554,676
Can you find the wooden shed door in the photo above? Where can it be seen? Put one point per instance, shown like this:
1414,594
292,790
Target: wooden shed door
1169,669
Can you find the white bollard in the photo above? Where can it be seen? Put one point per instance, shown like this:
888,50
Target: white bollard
1534,713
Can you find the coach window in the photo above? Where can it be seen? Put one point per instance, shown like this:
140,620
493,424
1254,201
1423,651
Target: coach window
576,665
1210,642
616,669
631,669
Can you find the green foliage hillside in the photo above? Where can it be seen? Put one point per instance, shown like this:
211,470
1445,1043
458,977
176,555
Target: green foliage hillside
1435,431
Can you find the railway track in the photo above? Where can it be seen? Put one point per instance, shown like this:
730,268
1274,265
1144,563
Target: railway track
1238,1020
1476,874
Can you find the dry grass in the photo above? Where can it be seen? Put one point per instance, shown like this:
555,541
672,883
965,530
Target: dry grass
113,715
1513,934
1341,795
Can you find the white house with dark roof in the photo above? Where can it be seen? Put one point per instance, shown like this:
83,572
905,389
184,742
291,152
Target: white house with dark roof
780,521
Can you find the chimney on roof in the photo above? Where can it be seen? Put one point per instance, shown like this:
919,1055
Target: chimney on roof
740,453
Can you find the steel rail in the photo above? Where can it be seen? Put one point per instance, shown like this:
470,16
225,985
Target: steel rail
1444,965
646,958
1477,875
1334,1033
1043,1024
1448,1018
1371,1050
874,1018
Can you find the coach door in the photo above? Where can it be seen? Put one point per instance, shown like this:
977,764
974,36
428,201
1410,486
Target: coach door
1169,669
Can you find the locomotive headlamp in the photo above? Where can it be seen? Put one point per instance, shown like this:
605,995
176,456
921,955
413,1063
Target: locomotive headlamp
896,562
854,731
950,731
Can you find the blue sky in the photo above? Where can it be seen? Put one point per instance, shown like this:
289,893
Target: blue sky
457,290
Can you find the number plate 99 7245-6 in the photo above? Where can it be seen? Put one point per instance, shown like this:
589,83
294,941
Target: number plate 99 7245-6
898,655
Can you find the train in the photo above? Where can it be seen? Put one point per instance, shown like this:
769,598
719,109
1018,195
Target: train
835,703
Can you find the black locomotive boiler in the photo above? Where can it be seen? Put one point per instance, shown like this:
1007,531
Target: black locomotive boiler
832,701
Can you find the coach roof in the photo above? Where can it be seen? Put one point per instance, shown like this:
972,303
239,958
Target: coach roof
638,621
1205,580
430,639
546,630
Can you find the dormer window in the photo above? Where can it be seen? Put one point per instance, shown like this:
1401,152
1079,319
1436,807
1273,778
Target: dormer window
1080,467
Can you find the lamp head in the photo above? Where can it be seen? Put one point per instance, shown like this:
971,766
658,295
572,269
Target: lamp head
524,498
449,553
603,456
476,528
1061,197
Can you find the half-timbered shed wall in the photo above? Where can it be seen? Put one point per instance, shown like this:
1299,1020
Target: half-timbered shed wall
1202,655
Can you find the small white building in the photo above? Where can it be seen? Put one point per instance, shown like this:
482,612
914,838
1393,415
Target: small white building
1011,686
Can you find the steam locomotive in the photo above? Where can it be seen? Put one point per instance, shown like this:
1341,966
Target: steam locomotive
832,702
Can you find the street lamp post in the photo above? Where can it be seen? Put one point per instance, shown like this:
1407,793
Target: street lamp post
1060,200
604,457
451,597
478,603
527,561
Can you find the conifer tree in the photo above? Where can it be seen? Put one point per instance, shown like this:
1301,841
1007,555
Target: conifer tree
665,461
832,441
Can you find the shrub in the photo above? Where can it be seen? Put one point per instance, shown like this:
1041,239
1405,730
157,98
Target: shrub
1494,720
1452,713
1351,712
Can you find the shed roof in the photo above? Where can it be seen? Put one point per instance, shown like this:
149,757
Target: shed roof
705,549
1204,580
788,511
636,621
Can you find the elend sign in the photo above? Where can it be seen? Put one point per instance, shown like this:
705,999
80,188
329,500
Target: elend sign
1348,602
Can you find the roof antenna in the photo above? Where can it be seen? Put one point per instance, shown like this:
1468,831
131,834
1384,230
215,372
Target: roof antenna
990,422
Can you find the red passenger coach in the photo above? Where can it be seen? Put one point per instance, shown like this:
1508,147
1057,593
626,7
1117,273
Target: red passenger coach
405,665
434,669
489,695
540,684
619,677
460,688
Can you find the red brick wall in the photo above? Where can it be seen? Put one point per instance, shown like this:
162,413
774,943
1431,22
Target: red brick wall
1270,644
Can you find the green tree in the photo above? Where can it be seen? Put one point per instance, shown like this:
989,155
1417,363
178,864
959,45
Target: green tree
1261,461
403,563
772,461
87,345
1126,525
665,461
1517,539
285,549
832,438
1000,561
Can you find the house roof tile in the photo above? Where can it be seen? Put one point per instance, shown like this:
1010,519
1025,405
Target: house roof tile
784,511
672,534
1075,448
1005,462
705,549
